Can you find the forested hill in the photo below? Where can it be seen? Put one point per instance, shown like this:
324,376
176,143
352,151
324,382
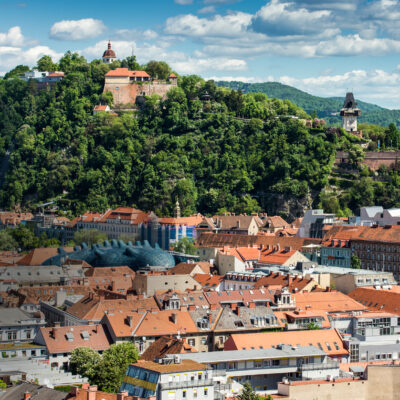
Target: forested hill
323,106
228,153
224,151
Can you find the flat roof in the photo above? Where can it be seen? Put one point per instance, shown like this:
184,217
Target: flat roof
256,354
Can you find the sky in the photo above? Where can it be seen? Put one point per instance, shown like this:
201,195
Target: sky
323,47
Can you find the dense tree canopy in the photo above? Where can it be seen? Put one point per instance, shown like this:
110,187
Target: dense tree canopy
212,148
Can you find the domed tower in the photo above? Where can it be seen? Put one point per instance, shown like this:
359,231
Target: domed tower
349,113
109,55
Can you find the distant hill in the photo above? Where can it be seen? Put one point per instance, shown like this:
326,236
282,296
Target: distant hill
326,107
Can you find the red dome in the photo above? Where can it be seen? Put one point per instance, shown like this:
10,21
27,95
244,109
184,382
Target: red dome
109,52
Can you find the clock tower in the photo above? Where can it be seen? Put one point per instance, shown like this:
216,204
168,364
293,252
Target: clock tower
349,114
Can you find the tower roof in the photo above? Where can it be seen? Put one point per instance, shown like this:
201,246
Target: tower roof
349,101
109,52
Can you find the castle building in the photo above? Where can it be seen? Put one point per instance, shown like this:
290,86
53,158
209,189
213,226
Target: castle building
349,114
109,55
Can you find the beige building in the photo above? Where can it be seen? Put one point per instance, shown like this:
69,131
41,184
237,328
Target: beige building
149,282
346,283
382,383
231,224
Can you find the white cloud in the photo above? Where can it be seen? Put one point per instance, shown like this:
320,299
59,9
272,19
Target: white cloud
11,56
231,25
284,19
203,65
134,34
183,2
77,29
13,37
207,10
375,86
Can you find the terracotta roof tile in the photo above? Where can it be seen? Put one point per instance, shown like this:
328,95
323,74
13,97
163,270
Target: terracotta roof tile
166,345
125,72
318,338
378,300
328,301
56,339
39,255
208,281
294,284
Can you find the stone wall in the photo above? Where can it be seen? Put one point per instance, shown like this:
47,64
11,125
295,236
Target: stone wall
126,93
373,159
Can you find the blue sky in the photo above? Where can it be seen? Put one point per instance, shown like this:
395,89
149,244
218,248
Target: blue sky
323,47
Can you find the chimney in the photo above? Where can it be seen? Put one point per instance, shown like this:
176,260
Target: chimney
85,386
174,318
213,306
278,247
183,308
209,318
123,395
92,393
74,391
233,306
289,280
129,320
238,311
238,223
27,395
252,305
54,333
192,307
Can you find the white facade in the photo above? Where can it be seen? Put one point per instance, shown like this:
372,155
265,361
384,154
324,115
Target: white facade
349,123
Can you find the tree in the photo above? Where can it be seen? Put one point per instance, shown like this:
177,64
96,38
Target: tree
85,362
356,155
248,393
89,236
355,262
3,385
311,326
25,238
158,69
130,63
114,364
7,242
45,63
18,70
186,245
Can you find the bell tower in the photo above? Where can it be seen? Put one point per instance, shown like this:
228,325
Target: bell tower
109,55
349,113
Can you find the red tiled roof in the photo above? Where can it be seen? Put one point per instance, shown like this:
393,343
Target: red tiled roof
245,296
56,339
218,240
100,108
378,300
166,345
192,220
123,323
208,281
294,284
172,75
266,340
187,268
276,222
162,323
39,255
328,301
276,257
125,72
56,74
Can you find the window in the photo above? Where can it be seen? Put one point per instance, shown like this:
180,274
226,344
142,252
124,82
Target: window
184,394
206,392
275,363
257,364
192,342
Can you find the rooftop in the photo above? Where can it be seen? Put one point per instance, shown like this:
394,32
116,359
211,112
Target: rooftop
184,365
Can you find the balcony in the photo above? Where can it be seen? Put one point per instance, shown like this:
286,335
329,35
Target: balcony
186,384
319,366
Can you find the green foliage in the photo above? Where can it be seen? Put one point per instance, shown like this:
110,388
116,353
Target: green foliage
89,236
186,245
114,364
106,371
3,385
248,393
7,242
18,70
355,262
312,326
85,362
158,69
321,106
45,63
